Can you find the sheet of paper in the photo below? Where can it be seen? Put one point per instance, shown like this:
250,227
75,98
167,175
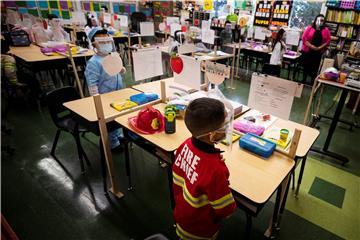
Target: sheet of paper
250,32
147,29
208,36
78,17
123,20
272,95
191,74
259,33
171,20
174,27
292,37
147,63
186,48
257,116
205,25
107,18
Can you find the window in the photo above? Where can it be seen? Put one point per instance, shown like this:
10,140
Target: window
304,12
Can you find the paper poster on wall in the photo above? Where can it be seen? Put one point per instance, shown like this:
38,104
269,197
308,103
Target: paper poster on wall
259,33
174,27
147,63
208,36
147,29
191,74
292,37
272,95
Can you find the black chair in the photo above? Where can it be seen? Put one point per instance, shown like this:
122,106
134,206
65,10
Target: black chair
273,70
64,120
136,18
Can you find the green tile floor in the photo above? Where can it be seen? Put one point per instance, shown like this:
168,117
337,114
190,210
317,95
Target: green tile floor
42,200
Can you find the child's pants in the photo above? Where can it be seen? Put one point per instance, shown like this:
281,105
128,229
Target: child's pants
114,138
8,66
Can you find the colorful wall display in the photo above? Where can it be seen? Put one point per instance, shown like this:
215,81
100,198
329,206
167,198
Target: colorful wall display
60,8
263,13
281,13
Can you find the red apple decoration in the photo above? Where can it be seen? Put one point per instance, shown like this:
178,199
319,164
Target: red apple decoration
176,64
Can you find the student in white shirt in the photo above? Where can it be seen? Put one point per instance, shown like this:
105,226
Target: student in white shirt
279,48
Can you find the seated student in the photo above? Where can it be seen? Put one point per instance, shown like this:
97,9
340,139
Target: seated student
97,79
55,30
279,48
8,65
200,176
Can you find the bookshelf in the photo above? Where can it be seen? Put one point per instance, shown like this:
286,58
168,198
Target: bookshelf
344,25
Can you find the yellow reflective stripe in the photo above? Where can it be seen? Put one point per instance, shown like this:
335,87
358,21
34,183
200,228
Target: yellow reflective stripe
223,202
188,236
195,202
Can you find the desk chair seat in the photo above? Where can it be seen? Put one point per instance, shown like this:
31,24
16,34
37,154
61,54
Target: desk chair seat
64,120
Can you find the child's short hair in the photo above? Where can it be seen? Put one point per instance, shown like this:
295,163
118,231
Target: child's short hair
204,115
100,31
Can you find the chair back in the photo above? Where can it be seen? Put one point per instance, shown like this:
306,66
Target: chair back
136,18
55,100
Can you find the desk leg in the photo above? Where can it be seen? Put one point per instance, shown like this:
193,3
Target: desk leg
127,159
332,128
103,167
280,196
303,162
170,179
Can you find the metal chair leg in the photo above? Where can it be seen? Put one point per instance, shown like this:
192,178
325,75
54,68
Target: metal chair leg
52,153
77,140
248,226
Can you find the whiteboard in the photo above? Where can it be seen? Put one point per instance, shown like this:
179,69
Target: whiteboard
147,63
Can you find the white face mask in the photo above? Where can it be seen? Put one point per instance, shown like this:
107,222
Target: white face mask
319,22
104,45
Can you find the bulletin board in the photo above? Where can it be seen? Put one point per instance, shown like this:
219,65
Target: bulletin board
61,9
162,9
124,8
281,13
23,7
263,13
42,8
94,6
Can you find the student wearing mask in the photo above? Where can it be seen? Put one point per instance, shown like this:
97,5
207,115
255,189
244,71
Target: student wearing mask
316,39
56,31
279,48
97,79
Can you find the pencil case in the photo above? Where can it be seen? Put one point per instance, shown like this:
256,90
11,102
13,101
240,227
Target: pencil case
142,98
257,145
123,106
246,126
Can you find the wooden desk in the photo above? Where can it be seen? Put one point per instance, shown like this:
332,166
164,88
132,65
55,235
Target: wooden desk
251,176
85,107
33,54
155,87
319,84
212,57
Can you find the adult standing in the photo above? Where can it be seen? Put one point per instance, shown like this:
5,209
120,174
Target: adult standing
316,39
